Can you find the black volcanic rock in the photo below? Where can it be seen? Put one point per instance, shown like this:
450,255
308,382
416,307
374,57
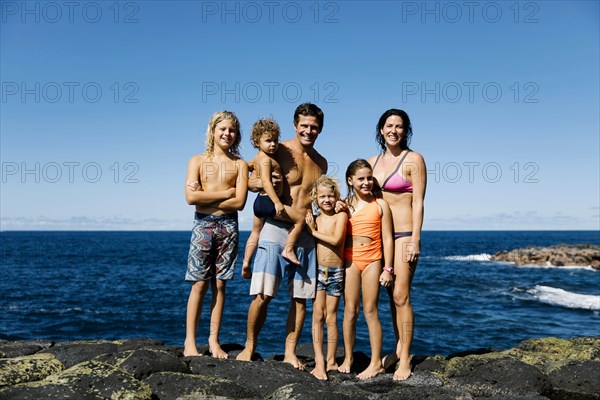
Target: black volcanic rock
174,385
102,380
75,352
23,347
489,376
576,381
138,343
263,378
146,369
142,363
34,367
46,391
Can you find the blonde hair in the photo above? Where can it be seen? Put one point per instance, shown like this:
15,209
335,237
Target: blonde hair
264,126
217,118
328,182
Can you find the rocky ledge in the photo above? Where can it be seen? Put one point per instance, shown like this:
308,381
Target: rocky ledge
548,368
558,256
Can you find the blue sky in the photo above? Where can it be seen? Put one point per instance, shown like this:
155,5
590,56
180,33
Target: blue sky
103,103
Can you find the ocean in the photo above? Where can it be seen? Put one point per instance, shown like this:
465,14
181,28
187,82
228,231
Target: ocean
66,286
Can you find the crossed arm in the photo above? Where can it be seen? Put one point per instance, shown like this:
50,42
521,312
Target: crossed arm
230,199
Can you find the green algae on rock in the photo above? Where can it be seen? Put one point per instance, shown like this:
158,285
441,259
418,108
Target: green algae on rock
103,380
29,368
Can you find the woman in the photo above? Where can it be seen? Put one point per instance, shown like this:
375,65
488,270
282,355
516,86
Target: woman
402,176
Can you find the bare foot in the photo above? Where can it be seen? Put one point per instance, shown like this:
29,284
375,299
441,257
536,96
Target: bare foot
245,355
290,256
332,366
295,362
190,350
346,366
217,352
246,270
371,371
389,360
319,373
403,371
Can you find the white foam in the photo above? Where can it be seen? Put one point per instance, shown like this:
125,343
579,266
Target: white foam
563,298
471,257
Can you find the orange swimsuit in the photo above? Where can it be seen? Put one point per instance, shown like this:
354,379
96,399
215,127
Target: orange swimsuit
365,222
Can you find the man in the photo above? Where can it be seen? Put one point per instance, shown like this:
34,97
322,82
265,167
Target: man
302,165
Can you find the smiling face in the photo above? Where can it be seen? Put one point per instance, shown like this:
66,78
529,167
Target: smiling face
225,134
307,130
362,181
326,198
393,131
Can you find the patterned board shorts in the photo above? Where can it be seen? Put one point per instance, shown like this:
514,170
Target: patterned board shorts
213,247
331,280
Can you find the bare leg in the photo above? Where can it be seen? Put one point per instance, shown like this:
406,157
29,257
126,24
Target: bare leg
332,304
370,295
257,314
251,245
318,320
194,309
392,358
390,292
351,309
298,219
216,315
288,251
293,330
404,313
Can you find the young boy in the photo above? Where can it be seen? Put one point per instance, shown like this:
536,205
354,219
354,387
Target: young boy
217,184
265,137
329,229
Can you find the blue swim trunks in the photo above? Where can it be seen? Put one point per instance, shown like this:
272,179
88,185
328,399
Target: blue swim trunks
213,247
264,207
331,280
270,267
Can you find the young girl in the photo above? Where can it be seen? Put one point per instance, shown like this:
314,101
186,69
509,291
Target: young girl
369,230
329,229
217,194
265,137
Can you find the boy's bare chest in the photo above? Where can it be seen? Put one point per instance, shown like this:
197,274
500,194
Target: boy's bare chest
218,173
326,225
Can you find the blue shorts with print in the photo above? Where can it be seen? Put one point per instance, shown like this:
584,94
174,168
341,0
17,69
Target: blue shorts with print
331,280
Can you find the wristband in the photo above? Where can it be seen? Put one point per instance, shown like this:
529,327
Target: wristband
389,270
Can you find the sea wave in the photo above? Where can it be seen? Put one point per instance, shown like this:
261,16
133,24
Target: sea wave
563,298
471,257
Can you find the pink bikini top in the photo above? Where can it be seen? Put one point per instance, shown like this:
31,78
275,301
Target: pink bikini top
396,182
